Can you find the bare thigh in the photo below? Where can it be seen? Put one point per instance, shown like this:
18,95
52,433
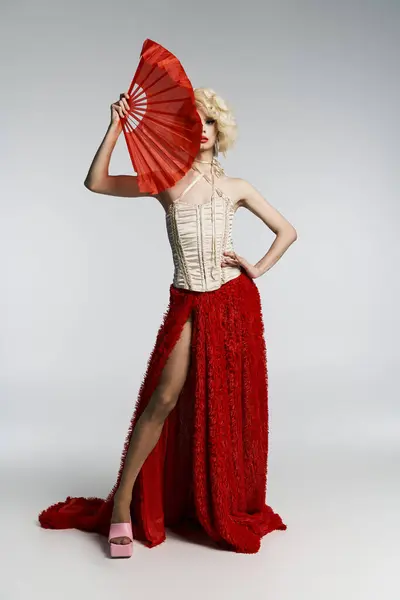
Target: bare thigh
173,375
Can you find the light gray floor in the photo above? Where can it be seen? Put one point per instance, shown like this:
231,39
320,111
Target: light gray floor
340,504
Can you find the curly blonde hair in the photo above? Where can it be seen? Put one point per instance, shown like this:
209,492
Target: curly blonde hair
215,107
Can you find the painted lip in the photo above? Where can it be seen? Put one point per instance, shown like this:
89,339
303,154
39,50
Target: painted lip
204,139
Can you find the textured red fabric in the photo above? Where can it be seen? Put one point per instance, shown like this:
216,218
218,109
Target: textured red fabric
163,129
209,467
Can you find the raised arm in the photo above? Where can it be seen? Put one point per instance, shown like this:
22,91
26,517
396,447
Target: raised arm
98,179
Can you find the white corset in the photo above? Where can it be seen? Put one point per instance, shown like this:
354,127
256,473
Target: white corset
192,228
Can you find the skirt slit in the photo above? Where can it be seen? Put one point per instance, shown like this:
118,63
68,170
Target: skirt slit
208,470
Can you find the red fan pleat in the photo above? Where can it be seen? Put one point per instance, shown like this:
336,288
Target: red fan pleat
163,128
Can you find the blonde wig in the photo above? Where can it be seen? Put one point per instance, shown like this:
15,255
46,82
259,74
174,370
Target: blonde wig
215,107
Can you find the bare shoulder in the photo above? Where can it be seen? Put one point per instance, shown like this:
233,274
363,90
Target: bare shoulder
248,196
236,188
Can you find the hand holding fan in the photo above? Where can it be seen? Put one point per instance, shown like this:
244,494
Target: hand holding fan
162,129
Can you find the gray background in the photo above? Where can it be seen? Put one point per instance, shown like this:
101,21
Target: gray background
85,281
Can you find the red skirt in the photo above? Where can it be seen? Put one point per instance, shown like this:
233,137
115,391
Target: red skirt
208,469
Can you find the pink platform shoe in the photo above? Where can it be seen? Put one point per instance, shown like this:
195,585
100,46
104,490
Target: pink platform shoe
120,530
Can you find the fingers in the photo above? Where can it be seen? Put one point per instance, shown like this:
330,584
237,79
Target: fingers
122,106
117,109
123,100
230,258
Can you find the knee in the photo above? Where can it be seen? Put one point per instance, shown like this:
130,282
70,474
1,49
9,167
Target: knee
163,403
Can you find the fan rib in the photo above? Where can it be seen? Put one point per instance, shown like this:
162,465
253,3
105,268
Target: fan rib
162,128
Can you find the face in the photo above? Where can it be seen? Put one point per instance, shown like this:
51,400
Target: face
209,132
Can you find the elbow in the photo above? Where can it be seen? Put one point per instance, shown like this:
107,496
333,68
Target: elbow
89,185
99,186
290,234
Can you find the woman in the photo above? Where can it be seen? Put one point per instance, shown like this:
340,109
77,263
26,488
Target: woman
196,450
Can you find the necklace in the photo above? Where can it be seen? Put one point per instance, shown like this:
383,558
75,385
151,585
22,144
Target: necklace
214,267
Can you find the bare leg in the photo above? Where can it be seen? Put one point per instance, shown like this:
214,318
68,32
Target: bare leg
148,428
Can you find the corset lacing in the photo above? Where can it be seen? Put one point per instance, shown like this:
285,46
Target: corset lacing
216,170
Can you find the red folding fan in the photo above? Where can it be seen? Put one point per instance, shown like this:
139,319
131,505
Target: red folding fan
162,129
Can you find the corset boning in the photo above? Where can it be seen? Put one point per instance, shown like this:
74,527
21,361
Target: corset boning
190,234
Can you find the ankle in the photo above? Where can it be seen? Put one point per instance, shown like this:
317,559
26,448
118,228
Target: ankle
122,496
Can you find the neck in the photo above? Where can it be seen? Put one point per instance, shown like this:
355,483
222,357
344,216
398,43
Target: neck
206,155
203,160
